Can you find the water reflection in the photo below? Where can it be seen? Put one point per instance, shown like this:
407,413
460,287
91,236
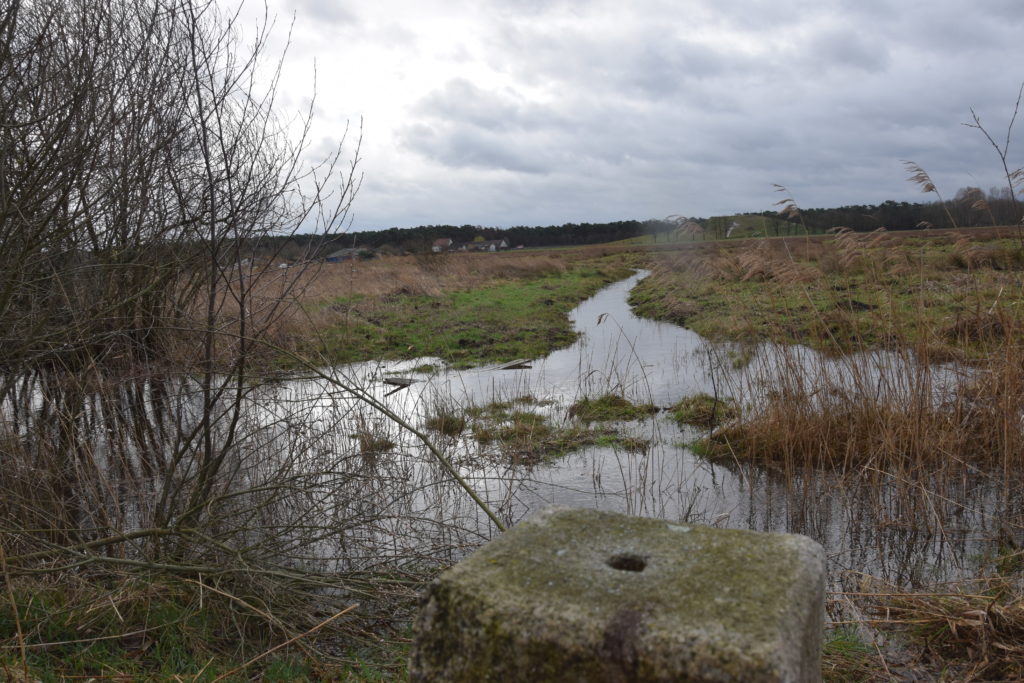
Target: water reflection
868,524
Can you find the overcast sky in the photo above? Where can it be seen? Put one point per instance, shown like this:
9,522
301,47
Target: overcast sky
533,112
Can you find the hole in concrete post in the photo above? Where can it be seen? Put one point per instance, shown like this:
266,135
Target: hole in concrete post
628,563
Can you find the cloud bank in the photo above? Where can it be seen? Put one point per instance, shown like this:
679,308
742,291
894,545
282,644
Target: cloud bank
499,113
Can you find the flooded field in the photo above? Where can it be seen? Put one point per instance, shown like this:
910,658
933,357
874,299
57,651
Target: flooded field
373,467
906,532
342,489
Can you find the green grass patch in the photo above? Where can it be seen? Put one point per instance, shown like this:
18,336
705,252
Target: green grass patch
425,369
708,449
134,630
847,658
950,298
520,428
523,435
141,627
704,410
447,421
610,408
500,409
524,318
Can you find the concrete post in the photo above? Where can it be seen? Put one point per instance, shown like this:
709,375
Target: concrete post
583,595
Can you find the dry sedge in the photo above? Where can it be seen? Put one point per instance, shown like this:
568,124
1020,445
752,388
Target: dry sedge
889,401
918,398
971,630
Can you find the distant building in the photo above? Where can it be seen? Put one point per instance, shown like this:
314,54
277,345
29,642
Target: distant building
445,244
488,245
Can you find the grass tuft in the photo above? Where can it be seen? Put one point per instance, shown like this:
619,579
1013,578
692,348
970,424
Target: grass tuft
447,421
704,410
972,630
610,408
528,437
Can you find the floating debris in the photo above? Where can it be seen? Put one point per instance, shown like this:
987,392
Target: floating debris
399,383
518,364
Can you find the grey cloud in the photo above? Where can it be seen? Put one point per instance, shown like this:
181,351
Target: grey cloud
469,147
950,29
666,67
463,125
502,110
849,47
654,63
1006,10
762,16
826,97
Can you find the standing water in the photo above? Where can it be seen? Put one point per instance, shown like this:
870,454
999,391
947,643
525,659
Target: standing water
865,526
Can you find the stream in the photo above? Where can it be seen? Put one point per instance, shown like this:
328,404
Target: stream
865,525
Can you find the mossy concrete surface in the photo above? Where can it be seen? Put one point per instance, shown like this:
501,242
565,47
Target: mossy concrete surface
584,595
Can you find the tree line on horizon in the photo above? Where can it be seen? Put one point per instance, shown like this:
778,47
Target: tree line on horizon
970,207
568,234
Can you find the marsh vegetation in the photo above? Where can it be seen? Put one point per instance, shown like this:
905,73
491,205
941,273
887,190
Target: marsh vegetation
636,415
209,470
889,365
466,309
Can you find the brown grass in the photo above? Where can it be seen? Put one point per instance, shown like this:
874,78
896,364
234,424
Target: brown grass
428,274
920,399
966,631
893,310
903,421
901,411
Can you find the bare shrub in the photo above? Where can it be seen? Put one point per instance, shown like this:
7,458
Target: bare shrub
140,166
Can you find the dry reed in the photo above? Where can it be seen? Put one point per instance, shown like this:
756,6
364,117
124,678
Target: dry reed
970,630
427,274
910,419
893,408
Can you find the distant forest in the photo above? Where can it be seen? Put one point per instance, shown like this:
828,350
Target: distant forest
969,207
421,238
